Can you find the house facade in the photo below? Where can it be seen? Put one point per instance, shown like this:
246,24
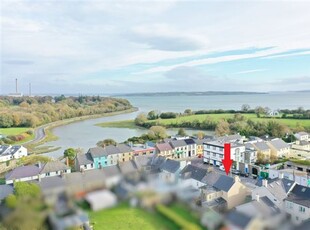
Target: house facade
164,150
279,148
297,204
8,152
214,152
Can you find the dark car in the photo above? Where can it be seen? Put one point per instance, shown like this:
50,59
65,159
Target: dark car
244,174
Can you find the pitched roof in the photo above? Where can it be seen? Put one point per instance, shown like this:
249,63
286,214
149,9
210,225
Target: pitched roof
111,171
109,150
84,159
48,183
127,167
163,147
170,166
224,183
22,172
142,161
238,219
178,143
300,195
211,178
194,172
5,190
279,144
54,166
261,145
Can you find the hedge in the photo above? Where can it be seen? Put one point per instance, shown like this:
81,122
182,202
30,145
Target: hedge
183,224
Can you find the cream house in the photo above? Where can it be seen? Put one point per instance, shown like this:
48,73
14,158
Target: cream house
279,148
229,189
164,150
262,148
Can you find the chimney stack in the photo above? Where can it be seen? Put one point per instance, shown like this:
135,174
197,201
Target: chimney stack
265,183
257,197
281,175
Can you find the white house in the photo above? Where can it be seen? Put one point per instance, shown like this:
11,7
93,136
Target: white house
302,136
297,204
23,173
214,152
54,168
194,176
8,152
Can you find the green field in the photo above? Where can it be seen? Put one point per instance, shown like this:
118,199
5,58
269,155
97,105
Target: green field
13,131
125,217
290,122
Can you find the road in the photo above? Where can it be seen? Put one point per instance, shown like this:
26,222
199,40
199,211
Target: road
39,134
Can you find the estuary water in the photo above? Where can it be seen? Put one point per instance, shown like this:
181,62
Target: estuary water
84,134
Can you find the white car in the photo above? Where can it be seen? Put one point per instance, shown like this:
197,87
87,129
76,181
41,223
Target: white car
222,168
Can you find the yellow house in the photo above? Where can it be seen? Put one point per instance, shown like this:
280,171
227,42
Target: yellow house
226,188
262,148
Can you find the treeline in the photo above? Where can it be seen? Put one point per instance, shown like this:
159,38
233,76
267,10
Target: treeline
35,111
237,124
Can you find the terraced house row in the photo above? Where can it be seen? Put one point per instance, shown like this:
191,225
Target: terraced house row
99,157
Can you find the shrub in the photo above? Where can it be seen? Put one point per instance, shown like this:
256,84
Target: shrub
29,132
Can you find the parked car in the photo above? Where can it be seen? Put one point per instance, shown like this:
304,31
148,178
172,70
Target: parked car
235,171
244,174
222,168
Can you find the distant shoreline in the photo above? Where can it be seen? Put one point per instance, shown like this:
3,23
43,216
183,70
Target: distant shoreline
207,93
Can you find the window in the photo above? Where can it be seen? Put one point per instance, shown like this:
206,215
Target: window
214,148
214,154
208,146
302,209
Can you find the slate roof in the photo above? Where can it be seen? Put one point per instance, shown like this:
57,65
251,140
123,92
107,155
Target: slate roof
22,172
178,143
84,159
53,166
143,161
170,166
194,172
262,145
109,150
238,219
201,141
9,150
303,142
5,190
211,178
189,141
163,147
300,195
127,167
224,183
264,207
111,171
279,144
48,183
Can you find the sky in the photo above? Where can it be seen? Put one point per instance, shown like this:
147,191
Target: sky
111,47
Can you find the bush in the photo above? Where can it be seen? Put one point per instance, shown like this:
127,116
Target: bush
29,132
16,138
178,220
11,201
168,115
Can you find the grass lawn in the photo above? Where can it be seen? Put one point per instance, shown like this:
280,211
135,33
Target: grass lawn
292,123
13,131
125,217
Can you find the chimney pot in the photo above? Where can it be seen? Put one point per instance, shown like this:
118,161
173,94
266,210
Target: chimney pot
257,197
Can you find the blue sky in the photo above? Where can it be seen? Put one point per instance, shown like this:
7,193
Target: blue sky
108,47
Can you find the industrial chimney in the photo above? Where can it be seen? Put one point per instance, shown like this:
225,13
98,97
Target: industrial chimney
16,85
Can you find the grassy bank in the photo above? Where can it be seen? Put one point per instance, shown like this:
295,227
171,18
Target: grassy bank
130,124
290,122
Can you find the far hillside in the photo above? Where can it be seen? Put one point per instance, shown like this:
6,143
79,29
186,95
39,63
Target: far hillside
19,114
